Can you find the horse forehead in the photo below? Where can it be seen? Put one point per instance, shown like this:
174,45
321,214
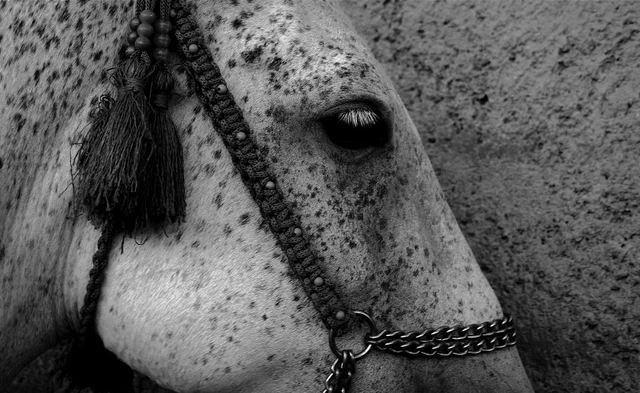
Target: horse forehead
251,17
289,40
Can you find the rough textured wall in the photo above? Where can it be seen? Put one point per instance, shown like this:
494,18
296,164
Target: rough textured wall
530,113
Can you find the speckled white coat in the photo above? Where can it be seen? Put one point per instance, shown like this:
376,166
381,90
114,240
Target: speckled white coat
209,305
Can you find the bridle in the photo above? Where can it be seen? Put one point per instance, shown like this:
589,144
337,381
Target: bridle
286,226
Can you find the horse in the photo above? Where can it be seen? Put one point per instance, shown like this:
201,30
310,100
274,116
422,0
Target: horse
211,303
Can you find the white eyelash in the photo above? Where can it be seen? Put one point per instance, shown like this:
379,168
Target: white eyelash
359,118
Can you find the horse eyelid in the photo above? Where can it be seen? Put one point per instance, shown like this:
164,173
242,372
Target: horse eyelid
359,118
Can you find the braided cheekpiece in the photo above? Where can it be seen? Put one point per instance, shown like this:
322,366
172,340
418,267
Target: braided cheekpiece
228,121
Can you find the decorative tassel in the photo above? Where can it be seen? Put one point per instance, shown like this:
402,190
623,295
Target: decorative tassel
129,175
130,165
164,196
116,150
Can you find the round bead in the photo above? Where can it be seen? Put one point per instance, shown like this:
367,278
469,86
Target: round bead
131,38
221,89
162,40
129,51
241,136
193,48
297,231
142,43
163,26
318,281
161,54
270,185
147,16
340,315
145,30
134,23
173,14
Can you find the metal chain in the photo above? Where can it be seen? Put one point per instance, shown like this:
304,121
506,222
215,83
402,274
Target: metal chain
447,341
342,371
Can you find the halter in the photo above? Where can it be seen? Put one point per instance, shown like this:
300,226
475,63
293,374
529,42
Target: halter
286,226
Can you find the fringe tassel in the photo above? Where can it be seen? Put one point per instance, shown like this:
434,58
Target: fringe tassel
164,196
117,149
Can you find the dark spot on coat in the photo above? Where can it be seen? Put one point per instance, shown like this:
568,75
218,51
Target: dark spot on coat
55,41
19,120
237,23
244,219
251,56
64,15
231,63
218,200
277,112
54,75
209,169
17,27
275,64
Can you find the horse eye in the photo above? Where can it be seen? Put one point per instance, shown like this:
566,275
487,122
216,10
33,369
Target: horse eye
356,128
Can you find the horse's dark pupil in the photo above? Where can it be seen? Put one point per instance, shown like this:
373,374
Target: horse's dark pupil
352,137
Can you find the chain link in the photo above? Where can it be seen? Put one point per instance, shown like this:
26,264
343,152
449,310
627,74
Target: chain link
342,371
447,341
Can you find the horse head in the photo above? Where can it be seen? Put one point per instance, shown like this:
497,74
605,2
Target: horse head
213,303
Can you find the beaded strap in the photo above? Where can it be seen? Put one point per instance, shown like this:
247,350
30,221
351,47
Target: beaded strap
228,121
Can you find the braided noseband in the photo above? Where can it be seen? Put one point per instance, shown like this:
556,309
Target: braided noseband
286,226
